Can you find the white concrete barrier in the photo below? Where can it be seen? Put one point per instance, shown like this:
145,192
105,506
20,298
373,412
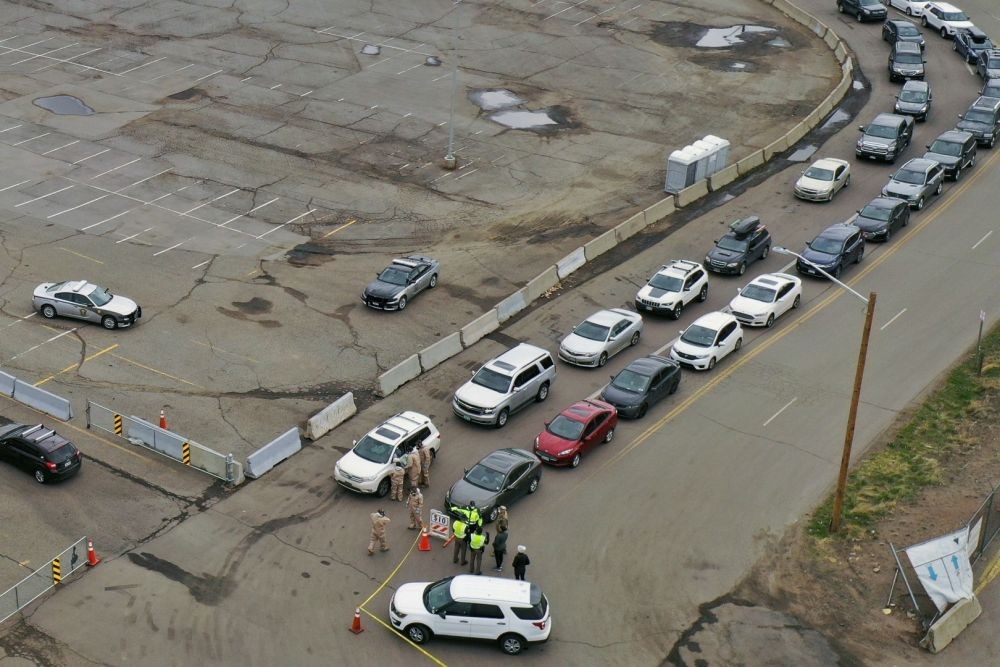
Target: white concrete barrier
659,210
571,263
398,375
692,193
750,162
831,39
600,245
485,324
284,446
511,306
723,177
949,626
796,133
541,283
840,53
779,145
444,349
820,29
331,417
7,384
631,227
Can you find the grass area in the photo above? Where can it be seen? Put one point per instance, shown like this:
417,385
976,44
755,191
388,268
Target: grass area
916,456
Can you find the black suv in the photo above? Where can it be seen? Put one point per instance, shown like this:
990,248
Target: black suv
746,241
641,384
982,120
955,151
906,61
885,137
835,246
898,30
863,10
40,451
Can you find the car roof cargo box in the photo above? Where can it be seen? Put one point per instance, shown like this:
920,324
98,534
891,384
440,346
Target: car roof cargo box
745,226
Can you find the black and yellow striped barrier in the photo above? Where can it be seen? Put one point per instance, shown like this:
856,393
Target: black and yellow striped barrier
186,454
56,571
118,425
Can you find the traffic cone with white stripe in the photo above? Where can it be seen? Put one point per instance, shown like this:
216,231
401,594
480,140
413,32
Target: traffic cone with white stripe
356,625
92,558
163,420
425,540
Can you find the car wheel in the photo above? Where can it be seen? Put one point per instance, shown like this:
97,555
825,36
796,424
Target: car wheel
576,460
770,321
534,485
502,418
739,344
402,302
673,387
603,359
958,172
888,234
798,301
48,312
383,488
836,272
711,363
923,20
861,255
840,7
972,162
40,476
543,391
434,281
492,515
418,634
511,644
940,188
767,251
642,411
108,322
944,33
609,436
920,204
676,312
847,181
743,268
635,339
703,294
860,17
954,47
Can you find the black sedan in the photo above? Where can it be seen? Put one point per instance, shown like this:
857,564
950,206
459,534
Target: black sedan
882,217
641,384
498,479
40,451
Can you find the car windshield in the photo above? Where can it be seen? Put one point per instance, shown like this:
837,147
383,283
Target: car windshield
946,148
566,428
819,173
699,335
394,276
438,596
908,58
730,243
883,131
667,283
825,245
373,450
979,116
100,296
992,62
909,176
484,478
875,213
629,380
913,96
907,30
61,453
981,42
592,331
870,3
490,379
954,16
758,293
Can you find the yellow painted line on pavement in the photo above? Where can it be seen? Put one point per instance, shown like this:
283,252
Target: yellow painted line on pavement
73,252
989,574
71,367
391,574
158,372
343,226
757,351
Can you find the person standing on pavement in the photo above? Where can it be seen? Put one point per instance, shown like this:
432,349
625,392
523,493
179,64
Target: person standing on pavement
477,544
416,507
502,518
379,524
413,468
396,479
426,456
521,562
500,547
461,538
475,518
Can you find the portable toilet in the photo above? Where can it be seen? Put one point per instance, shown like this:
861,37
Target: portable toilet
681,170
710,150
722,153
702,153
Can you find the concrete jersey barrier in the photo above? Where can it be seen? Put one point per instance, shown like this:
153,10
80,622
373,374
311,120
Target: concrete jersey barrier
7,384
273,453
398,375
330,417
444,349
47,402
483,325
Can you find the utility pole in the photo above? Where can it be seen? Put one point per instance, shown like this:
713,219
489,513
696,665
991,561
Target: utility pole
450,161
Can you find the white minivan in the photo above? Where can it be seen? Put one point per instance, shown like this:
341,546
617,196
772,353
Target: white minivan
511,612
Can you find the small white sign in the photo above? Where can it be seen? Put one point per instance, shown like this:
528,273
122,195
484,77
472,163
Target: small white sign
440,524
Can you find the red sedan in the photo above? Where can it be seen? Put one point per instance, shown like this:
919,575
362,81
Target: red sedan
575,432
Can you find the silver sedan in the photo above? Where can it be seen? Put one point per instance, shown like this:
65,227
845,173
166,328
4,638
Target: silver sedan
601,336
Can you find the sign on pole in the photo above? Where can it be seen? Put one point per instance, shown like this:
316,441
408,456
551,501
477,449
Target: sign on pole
440,524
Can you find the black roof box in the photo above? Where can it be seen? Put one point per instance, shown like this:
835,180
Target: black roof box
745,226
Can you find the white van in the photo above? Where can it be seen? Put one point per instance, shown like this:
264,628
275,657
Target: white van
511,612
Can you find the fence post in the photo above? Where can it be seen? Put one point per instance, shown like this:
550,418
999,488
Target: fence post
229,468
88,413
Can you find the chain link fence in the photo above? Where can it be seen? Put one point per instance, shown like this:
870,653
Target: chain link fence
43,579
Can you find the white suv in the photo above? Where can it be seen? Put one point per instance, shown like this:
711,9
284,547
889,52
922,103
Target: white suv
505,385
511,612
947,19
674,286
366,468
707,341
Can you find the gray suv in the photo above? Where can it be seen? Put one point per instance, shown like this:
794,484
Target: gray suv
505,385
955,150
906,61
885,137
982,120
916,181
915,100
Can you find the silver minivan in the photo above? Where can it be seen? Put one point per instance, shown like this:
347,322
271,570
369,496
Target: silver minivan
505,385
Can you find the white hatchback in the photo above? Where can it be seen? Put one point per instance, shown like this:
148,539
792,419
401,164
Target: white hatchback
366,468
909,7
511,612
766,298
707,341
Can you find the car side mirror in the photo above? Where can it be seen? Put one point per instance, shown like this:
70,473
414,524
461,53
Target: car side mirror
354,442
928,146
548,421
861,128
466,471
681,332
442,614
738,291
612,377
960,116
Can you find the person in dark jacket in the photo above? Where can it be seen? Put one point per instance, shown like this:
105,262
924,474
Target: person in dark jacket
521,562
500,547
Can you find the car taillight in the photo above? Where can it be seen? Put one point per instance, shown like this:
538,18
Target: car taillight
539,624
50,465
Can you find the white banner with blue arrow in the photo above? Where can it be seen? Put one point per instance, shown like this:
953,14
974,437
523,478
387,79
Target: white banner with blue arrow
942,565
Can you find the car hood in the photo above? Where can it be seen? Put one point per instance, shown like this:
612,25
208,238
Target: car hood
901,188
748,306
480,396
973,125
910,106
722,255
657,294
945,160
959,25
119,305
619,397
553,444
409,598
867,140
816,257
907,67
355,465
814,184
382,290
462,492
581,345
870,224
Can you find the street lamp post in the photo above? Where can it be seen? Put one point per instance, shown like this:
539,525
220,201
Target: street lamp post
852,415
450,161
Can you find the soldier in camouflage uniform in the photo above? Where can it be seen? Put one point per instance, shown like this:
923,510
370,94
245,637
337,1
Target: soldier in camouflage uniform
416,507
379,523
396,491
426,456
414,468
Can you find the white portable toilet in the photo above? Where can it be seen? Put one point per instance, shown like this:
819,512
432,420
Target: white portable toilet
701,171
722,152
681,170
710,151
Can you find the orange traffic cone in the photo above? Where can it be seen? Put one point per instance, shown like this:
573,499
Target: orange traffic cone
356,625
92,558
425,541
163,420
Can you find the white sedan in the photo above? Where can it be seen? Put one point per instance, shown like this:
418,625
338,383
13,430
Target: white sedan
600,336
766,298
825,178
707,341
909,7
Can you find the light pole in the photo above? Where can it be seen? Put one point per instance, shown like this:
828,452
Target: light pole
852,415
450,161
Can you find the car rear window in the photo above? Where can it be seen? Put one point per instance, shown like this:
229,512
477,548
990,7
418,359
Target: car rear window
61,454
534,612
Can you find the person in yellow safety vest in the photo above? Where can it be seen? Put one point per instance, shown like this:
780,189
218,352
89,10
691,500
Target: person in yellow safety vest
461,540
475,518
477,543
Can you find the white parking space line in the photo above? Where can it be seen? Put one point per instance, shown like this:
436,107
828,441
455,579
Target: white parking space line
15,185
61,147
43,196
179,69
8,39
159,173
20,319
129,238
257,208
32,349
116,168
894,318
198,266
51,65
988,234
467,173
786,267
134,208
565,9
308,92
176,245
277,85
784,407
271,231
594,16
90,156
206,76
231,192
13,127
631,20
55,215
246,79
44,134
58,60
142,65
42,55
26,46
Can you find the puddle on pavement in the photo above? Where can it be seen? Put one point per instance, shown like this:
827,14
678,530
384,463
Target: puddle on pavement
432,61
523,120
491,100
780,42
857,85
803,154
371,50
64,105
839,117
722,38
